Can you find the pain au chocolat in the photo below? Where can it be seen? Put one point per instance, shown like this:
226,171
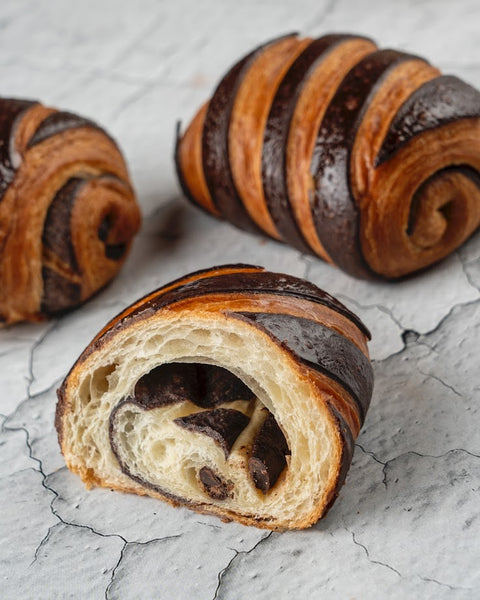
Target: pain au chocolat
366,158
232,391
67,210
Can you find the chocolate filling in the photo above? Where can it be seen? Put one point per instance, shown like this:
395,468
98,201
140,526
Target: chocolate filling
214,485
268,460
166,384
208,386
217,385
205,385
223,425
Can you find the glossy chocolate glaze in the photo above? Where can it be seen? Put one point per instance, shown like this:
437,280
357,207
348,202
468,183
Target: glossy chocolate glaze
334,210
223,425
215,147
260,282
275,140
267,459
436,103
56,229
11,111
324,350
214,485
57,123
59,293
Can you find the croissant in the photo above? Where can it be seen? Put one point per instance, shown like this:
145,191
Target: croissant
67,210
233,391
366,158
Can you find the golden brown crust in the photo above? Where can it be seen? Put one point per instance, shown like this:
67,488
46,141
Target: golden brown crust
340,185
66,186
247,123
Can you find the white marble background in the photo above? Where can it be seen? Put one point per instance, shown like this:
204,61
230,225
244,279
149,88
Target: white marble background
407,522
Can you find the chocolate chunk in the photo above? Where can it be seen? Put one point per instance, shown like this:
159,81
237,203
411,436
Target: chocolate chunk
268,455
224,425
213,485
56,229
59,293
217,385
166,384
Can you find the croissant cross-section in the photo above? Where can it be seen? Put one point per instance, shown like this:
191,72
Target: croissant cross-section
232,391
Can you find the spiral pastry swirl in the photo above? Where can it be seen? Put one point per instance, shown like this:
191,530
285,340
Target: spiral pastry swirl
233,391
67,210
366,158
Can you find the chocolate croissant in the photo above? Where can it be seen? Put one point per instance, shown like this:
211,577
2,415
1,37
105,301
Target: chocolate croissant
366,158
67,210
232,391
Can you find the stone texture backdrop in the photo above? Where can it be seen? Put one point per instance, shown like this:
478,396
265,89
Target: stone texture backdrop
407,522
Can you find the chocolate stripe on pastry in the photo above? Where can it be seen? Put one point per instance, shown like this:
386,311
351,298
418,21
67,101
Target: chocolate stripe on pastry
324,350
437,102
269,452
385,122
68,213
276,138
335,212
249,415
255,283
11,111
57,123
215,144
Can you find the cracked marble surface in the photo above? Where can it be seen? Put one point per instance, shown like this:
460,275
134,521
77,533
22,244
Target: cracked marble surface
407,522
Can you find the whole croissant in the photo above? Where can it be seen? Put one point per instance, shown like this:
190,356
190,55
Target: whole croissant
367,158
67,210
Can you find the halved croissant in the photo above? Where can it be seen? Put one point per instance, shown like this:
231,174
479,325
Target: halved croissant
233,391
367,158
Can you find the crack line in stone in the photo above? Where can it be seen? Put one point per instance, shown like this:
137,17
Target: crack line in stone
436,378
377,562
232,560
